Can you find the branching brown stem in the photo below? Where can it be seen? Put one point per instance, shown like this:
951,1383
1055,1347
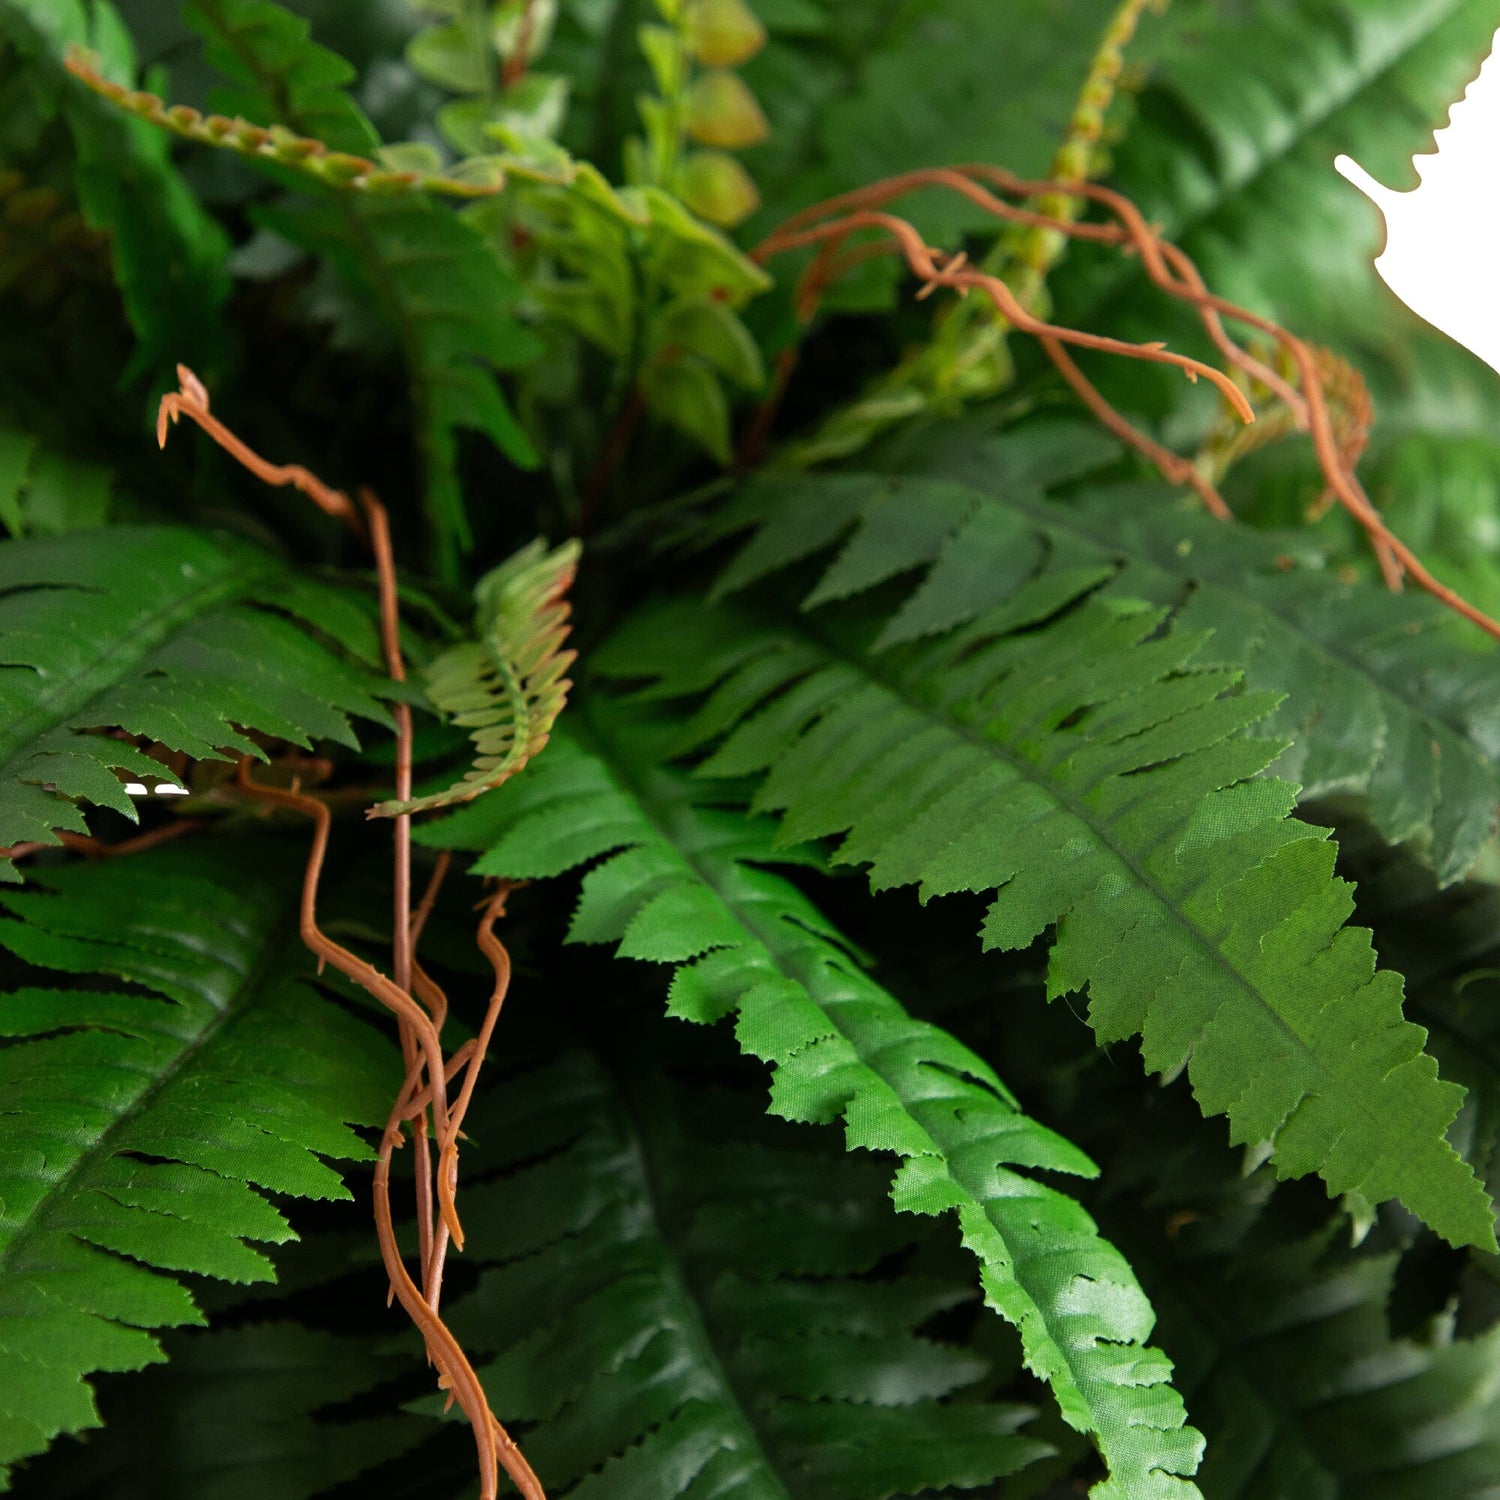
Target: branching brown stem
829,225
417,1002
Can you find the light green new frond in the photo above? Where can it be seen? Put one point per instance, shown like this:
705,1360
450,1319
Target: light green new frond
186,638
1370,709
684,885
679,1298
507,687
139,1124
1087,773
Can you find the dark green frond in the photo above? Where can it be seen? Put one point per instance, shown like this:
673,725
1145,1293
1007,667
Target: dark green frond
1232,155
1063,755
169,252
682,1300
684,886
440,289
43,493
1369,710
1281,1329
141,1122
187,638
235,1414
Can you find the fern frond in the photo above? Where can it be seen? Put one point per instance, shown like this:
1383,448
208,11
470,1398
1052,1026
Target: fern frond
169,252
683,886
1087,773
1369,704
1304,1391
680,1299
506,687
45,493
1282,1329
277,70
140,1123
186,638
297,153
1229,154
440,289
976,84
234,1414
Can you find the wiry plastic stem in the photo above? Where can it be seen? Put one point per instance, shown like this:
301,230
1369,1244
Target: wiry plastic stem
829,225
424,1086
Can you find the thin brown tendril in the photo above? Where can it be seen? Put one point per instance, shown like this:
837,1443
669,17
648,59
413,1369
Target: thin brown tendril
513,70
1336,442
935,267
418,1003
191,401
94,848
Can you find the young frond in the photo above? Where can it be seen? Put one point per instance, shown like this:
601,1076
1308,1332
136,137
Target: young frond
188,638
683,884
507,686
1065,757
141,1122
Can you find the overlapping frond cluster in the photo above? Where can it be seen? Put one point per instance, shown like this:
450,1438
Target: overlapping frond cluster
187,638
1367,709
681,1296
683,885
1337,440
144,1125
1298,1377
506,687
1304,1356
439,288
1063,756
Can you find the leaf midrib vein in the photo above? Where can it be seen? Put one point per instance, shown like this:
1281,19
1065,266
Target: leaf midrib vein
1027,771
620,767
129,651
268,956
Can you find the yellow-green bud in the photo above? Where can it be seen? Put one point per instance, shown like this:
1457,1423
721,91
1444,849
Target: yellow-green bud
717,188
721,111
723,33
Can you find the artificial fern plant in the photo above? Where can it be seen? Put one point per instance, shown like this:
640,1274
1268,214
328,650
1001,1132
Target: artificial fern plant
645,498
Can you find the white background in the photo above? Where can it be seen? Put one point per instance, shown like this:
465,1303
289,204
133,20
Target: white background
1442,255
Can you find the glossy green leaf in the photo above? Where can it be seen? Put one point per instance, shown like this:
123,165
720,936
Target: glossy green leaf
145,1126
188,638
684,886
